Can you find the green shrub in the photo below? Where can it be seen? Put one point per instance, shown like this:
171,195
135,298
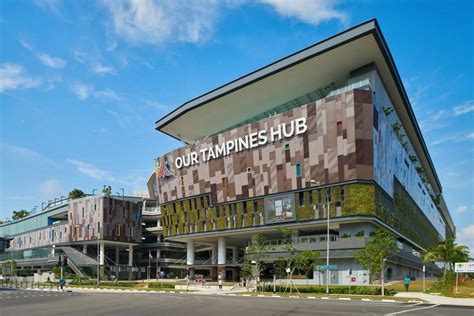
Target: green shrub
346,236
158,285
359,290
360,234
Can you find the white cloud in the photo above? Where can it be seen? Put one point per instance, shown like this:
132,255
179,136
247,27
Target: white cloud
464,109
461,209
103,70
466,237
24,153
94,172
107,94
79,56
91,171
455,138
50,61
308,11
53,6
153,22
50,188
82,91
14,76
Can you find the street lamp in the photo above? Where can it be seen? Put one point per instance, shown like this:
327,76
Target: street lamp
317,184
93,191
123,192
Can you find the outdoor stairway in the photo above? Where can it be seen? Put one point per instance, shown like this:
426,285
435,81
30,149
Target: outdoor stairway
77,259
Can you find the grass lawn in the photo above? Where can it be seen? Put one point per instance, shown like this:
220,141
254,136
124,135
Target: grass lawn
415,286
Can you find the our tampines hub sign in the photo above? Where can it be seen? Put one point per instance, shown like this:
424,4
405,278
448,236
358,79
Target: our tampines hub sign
253,140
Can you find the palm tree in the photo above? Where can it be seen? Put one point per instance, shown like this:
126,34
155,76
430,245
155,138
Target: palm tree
447,252
76,194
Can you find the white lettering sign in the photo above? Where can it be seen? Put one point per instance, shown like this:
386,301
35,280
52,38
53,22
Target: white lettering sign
464,267
250,141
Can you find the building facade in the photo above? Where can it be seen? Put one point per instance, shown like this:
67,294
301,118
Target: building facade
329,123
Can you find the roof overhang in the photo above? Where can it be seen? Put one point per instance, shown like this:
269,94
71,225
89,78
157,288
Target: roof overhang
293,76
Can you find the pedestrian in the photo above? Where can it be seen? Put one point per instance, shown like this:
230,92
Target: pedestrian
219,281
407,283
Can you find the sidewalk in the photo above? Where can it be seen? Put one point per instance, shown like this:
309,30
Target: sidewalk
437,299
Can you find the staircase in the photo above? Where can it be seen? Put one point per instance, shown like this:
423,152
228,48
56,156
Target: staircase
77,259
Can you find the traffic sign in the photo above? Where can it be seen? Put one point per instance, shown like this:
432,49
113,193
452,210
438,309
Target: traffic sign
464,267
353,279
326,267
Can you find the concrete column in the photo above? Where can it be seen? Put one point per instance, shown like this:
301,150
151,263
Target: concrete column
102,254
214,254
84,249
221,248
130,255
235,254
53,252
190,252
130,261
117,262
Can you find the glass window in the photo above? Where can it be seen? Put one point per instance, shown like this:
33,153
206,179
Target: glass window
298,170
339,128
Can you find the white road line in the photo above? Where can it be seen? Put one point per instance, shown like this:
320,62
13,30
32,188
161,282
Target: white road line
412,310
392,301
345,298
324,298
312,297
416,304
366,299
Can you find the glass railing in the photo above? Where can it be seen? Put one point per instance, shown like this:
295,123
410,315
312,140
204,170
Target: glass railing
352,86
39,253
300,239
152,210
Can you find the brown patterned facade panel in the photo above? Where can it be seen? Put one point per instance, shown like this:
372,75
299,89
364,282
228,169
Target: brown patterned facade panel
323,153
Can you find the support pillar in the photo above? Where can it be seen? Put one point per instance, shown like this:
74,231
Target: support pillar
130,261
190,252
84,249
117,262
190,258
214,254
235,254
101,259
221,249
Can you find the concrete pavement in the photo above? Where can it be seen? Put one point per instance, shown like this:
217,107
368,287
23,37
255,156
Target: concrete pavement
23,302
437,299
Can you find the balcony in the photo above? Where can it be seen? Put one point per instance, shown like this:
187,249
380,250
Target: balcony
152,211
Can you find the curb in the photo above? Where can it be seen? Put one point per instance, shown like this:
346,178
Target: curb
328,298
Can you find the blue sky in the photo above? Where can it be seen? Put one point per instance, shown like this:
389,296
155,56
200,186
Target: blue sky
82,83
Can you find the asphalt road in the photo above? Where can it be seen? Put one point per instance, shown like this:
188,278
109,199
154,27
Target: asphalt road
25,302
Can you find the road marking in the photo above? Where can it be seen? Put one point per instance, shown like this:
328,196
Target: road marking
324,298
392,301
366,299
312,297
345,298
412,310
416,304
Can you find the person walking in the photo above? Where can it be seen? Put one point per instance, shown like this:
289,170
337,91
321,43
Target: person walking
407,283
219,281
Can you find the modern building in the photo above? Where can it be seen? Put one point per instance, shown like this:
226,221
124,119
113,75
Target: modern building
119,236
263,151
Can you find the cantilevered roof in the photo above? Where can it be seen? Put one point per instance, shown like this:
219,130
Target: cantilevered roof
293,76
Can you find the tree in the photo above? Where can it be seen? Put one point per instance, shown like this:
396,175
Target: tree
255,254
20,214
306,260
107,190
381,246
76,194
447,252
289,241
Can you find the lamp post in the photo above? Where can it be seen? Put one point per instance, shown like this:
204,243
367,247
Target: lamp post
123,192
93,191
317,183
